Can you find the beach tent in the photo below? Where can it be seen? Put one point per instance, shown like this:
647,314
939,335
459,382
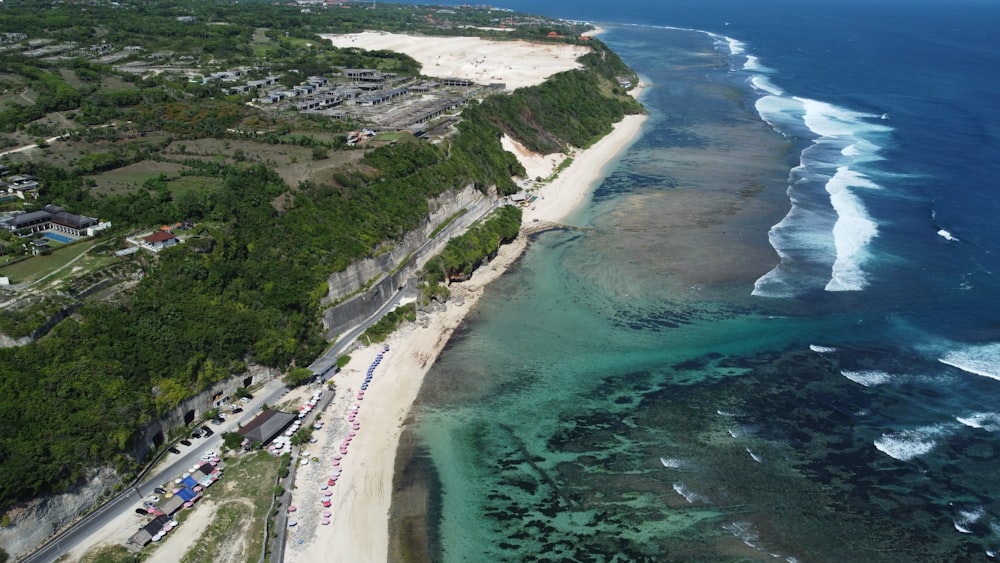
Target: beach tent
189,481
186,494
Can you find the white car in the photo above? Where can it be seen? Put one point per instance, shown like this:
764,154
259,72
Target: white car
153,498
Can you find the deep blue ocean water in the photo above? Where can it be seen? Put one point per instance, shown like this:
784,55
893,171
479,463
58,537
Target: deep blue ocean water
777,333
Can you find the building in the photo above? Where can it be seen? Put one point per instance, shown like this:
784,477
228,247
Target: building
160,240
21,185
49,218
267,426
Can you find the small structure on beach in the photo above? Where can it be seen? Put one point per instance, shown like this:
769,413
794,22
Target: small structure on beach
267,426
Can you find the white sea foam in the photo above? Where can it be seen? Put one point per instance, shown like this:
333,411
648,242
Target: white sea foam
905,445
852,231
736,47
867,378
753,64
743,531
946,235
981,360
764,84
961,528
821,349
988,421
671,463
828,120
967,518
689,495
754,456
834,234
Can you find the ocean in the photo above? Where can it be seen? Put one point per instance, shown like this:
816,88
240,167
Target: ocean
773,332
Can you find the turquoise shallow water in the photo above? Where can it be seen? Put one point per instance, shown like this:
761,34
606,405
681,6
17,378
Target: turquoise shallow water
620,395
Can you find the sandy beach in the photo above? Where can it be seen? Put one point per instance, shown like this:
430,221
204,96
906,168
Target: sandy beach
361,498
514,63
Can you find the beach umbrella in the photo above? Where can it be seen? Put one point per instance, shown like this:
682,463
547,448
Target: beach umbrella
177,481
292,508
324,487
327,514
292,522
188,504
331,482
336,457
326,502
352,434
325,521
328,493
197,488
176,490
335,462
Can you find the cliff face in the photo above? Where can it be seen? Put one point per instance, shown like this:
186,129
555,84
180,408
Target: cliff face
158,431
31,524
383,275
34,522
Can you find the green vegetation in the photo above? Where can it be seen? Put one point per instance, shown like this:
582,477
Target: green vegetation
298,376
277,200
241,506
465,253
381,330
111,554
232,440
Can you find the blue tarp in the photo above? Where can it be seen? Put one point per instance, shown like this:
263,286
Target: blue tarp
186,494
189,481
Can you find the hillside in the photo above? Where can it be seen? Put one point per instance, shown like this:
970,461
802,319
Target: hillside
270,199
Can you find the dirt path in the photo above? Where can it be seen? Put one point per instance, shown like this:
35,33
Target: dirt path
179,542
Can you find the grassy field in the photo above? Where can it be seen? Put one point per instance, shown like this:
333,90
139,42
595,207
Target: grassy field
39,266
243,498
110,554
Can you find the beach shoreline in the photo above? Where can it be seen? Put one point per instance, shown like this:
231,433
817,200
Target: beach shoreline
361,500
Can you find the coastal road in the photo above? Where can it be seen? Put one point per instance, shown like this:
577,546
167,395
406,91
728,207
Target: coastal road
165,471
176,464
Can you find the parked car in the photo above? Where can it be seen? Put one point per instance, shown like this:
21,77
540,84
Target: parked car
159,490
196,434
186,442
174,450
208,431
141,511
237,410
245,400
153,498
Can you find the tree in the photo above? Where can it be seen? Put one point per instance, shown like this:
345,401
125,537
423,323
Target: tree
298,376
232,440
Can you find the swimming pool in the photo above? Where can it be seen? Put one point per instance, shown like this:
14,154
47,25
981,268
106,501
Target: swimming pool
58,238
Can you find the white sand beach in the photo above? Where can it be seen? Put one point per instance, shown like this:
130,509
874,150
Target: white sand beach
360,500
358,527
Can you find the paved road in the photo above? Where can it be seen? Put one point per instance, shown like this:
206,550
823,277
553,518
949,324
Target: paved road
170,466
176,464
